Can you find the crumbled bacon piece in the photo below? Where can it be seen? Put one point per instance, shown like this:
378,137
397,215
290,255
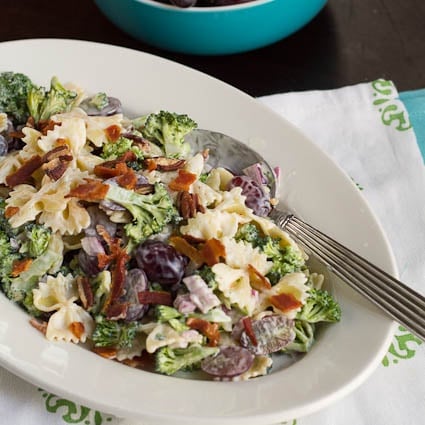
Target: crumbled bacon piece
162,163
111,170
113,132
247,324
92,191
210,330
285,302
127,180
10,211
183,181
106,352
25,171
19,266
212,251
40,325
85,291
46,125
155,297
77,328
184,247
116,311
257,280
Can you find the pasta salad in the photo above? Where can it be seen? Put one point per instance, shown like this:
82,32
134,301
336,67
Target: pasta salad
114,233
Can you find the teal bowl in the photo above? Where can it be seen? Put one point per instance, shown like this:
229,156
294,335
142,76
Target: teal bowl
210,30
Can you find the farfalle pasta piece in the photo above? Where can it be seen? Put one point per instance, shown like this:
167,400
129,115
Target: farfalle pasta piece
234,202
206,195
219,178
56,211
213,224
71,323
3,122
55,293
293,285
241,254
95,126
234,285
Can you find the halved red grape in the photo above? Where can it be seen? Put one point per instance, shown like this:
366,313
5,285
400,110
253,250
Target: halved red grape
272,333
230,361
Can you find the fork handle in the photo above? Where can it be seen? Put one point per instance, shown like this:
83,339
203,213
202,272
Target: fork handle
402,303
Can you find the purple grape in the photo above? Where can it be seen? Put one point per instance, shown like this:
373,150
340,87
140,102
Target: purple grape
135,282
161,262
272,333
183,3
89,264
256,198
230,361
3,146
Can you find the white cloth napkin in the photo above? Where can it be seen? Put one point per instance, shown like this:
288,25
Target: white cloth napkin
366,130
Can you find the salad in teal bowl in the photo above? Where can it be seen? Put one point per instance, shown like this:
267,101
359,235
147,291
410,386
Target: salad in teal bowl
210,27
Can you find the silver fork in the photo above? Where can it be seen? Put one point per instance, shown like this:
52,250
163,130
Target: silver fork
402,303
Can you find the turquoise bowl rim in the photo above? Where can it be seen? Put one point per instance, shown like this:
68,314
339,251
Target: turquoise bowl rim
214,30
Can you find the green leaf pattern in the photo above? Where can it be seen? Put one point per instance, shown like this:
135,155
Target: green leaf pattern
72,413
390,107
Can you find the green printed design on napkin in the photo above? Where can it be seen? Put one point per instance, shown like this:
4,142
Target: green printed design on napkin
403,347
390,107
73,413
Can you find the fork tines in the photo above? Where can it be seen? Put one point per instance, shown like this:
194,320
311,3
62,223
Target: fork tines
401,302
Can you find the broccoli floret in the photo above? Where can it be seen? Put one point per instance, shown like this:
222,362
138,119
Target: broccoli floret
36,239
101,287
249,233
304,337
113,150
50,261
114,333
320,306
285,259
150,212
43,104
169,129
99,101
14,89
8,256
208,276
164,313
168,360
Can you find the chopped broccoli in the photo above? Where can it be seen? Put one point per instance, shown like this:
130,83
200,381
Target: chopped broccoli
101,286
99,101
168,129
7,257
170,315
304,337
113,333
36,239
115,149
169,360
43,104
14,89
285,260
320,306
164,313
249,233
150,212
208,276
50,261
